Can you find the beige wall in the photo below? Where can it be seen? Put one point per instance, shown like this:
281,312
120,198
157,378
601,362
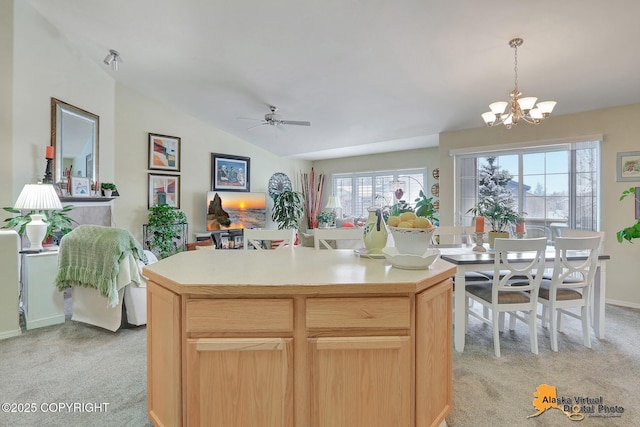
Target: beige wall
46,65
620,127
6,102
137,116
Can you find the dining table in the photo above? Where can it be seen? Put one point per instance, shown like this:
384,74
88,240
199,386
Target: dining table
467,260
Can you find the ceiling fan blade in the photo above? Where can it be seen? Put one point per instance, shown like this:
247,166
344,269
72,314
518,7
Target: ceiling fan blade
261,124
295,122
248,118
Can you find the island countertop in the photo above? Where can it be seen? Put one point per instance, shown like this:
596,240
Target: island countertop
303,271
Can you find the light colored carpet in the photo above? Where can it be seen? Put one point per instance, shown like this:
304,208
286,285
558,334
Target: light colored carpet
77,363
492,392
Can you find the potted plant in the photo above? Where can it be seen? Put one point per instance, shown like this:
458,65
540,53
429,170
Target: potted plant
58,221
424,207
288,208
633,231
107,188
325,219
166,228
500,212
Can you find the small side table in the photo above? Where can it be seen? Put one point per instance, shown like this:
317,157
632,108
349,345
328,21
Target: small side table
43,303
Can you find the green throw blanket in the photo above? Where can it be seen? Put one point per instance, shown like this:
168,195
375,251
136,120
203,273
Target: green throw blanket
90,256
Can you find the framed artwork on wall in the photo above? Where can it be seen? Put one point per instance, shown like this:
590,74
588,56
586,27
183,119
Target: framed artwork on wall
164,152
164,189
628,166
230,173
637,202
80,186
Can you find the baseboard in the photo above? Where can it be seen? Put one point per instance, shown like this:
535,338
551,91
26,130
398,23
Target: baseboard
10,334
45,321
623,303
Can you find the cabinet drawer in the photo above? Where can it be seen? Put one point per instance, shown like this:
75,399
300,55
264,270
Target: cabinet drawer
365,313
240,315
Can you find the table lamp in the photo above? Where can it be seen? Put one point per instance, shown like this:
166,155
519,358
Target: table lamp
37,197
332,204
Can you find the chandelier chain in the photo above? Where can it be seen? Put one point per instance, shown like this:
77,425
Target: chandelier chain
515,66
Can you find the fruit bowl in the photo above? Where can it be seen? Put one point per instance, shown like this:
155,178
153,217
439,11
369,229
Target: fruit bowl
412,241
410,262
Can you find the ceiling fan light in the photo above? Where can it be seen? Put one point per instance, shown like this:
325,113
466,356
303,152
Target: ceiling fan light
488,118
527,103
546,107
508,121
498,107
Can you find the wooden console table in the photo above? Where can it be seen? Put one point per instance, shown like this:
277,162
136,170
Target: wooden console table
309,338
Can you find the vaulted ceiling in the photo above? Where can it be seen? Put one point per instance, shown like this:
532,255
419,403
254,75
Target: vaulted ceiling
370,75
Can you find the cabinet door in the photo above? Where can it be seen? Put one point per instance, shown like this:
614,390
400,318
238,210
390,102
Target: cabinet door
240,382
360,381
433,354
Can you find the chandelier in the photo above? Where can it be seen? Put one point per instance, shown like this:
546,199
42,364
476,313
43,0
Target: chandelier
519,108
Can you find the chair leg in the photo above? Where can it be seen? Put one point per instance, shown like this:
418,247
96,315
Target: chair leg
544,317
533,332
586,326
496,334
554,329
500,320
512,321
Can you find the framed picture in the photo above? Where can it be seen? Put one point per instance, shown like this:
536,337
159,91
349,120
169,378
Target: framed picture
164,152
637,202
229,173
628,166
164,189
80,186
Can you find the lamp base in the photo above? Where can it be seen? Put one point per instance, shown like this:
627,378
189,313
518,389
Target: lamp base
36,231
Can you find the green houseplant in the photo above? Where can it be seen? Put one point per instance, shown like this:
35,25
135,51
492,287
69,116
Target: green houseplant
500,212
325,219
107,188
57,221
288,208
165,229
633,231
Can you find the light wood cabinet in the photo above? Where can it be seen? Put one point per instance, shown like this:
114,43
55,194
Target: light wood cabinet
226,355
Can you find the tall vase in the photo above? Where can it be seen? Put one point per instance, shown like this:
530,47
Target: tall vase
375,232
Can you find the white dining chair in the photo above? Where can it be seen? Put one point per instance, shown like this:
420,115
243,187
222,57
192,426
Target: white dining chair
572,232
449,234
322,236
570,286
508,295
256,236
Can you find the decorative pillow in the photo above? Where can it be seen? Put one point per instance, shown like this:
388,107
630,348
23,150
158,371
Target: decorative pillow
340,221
347,225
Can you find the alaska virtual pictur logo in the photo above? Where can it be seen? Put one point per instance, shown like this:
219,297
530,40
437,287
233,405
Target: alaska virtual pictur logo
574,407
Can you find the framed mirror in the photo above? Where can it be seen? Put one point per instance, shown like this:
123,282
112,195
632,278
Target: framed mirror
74,136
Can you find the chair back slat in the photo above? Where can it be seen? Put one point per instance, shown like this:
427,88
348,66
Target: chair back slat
321,236
256,236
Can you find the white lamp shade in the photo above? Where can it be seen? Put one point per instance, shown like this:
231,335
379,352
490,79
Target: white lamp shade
535,113
546,107
38,197
333,203
498,108
527,103
488,117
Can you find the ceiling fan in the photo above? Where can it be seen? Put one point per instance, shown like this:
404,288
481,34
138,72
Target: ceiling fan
274,119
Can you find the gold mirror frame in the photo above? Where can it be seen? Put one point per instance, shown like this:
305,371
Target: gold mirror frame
75,131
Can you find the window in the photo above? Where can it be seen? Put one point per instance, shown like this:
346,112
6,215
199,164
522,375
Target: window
359,191
555,186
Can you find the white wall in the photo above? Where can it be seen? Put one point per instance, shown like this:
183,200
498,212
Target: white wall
6,103
46,65
620,127
136,116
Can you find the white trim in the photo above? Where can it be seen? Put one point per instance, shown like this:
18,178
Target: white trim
531,145
622,303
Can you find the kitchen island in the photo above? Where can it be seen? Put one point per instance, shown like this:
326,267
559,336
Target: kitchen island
302,338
